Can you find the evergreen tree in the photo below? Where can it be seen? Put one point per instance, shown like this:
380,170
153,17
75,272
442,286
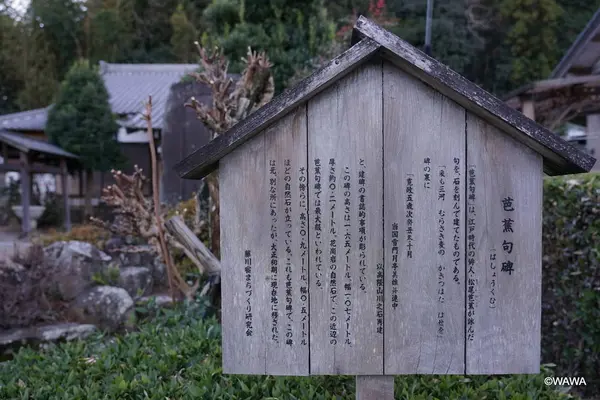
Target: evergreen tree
532,37
184,35
292,32
81,120
40,79
60,22
11,78
108,37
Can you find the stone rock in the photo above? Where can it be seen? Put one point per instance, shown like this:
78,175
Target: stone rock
142,255
159,272
113,244
136,280
108,307
13,339
76,263
161,300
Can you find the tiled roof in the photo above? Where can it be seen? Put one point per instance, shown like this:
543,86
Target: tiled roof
129,86
32,120
28,144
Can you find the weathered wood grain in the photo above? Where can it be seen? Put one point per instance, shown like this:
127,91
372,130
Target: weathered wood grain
560,157
205,160
244,210
200,255
344,125
374,387
286,227
424,152
503,307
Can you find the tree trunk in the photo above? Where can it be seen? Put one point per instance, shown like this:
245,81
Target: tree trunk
89,184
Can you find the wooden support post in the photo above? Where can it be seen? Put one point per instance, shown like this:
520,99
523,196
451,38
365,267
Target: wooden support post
25,193
374,387
65,189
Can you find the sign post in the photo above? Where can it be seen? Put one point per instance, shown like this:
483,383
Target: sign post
382,218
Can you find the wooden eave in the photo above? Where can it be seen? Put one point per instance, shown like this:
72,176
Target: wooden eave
560,157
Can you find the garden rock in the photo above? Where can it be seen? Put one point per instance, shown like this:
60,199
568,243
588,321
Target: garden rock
159,271
108,307
13,339
137,256
161,300
78,263
137,281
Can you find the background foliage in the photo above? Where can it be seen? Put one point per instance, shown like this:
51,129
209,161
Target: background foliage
497,44
178,356
571,278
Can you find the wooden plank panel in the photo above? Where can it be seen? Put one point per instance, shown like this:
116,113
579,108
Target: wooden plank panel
504,221
244,208
345,160
264,186
287,230
424,151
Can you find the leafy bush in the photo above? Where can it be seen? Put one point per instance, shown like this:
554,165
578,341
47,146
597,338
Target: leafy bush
178,356
84,233
571,277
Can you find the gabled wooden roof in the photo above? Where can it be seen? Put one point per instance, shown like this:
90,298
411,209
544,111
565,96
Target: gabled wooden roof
584,53
370,40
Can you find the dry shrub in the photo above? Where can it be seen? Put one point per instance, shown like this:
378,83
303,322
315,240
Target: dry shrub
85,233
26,290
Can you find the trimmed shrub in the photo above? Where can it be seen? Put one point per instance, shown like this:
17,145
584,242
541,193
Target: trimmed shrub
178,356
571,278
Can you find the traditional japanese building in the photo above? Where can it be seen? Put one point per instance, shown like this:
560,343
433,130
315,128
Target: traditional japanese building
569,99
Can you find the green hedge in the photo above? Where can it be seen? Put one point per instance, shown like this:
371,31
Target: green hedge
178,356
571,278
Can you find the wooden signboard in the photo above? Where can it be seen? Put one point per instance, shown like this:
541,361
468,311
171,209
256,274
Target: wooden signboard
382,218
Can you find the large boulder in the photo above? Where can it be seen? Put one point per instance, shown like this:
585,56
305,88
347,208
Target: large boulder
110,308
76,263
136,280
